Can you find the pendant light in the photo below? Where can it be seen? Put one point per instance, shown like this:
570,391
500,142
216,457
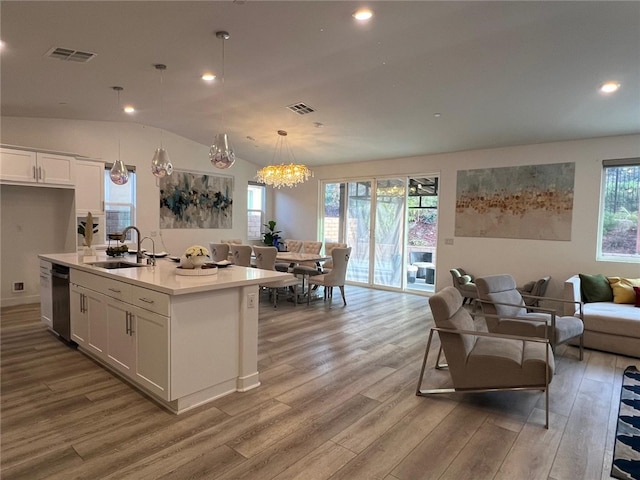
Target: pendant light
119,173
221,153
281,175
160,164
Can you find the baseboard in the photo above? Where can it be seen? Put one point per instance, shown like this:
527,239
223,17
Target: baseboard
22,300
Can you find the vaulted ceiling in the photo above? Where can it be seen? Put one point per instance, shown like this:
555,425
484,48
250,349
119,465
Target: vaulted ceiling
420,77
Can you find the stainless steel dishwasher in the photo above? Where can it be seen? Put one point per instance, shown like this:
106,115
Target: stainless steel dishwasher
60,298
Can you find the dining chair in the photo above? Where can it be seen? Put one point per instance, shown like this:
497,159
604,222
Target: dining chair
327,265
266,260
336,277
241,255
309,268
219,251
294,246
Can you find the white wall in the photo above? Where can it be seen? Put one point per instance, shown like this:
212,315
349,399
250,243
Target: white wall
34,220
297,209
99,140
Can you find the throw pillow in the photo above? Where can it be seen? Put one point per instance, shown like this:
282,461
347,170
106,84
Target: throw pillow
595,288
623,289
637,290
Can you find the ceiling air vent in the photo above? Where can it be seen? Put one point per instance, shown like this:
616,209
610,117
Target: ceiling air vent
70,55
301,108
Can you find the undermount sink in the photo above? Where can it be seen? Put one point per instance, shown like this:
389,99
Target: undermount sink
113,264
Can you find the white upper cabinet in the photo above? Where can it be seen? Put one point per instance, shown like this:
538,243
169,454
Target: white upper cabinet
27,167
89,187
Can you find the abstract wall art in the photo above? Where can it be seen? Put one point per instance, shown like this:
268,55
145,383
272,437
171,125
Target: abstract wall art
196,200
534,202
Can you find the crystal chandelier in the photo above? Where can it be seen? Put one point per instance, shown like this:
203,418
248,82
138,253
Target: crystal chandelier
283,175
390,190
119,173
160,164
221,153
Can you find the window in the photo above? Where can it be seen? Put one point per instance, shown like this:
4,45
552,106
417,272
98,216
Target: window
119,203
255,210
619,222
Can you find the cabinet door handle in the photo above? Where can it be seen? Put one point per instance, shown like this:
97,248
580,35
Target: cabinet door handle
126,323
35,177
40,176
146,300
131,317
115,290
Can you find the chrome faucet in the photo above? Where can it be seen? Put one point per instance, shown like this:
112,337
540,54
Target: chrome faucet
139,255
151,260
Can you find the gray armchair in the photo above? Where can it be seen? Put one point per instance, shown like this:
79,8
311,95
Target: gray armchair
509,314
480,361
464,283
533,289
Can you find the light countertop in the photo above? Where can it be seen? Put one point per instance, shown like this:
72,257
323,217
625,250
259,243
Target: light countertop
162,277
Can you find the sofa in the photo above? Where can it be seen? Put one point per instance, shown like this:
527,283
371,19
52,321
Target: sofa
609,324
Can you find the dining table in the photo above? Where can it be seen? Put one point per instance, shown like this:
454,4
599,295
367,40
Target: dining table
295,258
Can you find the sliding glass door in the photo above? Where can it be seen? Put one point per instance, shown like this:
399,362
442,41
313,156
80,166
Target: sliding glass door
358,230
368,215
389,201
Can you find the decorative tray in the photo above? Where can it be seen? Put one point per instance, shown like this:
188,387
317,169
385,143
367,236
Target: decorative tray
196,272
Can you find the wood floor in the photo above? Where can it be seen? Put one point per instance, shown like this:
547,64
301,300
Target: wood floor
337,401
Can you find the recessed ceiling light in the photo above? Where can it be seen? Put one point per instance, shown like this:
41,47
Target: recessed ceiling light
437,115
609,87
363,14
129,109
208,77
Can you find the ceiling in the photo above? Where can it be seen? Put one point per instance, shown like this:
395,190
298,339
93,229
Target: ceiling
497,73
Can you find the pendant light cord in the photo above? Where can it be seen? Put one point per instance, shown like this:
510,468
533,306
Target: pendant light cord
161,104
118,110
224,103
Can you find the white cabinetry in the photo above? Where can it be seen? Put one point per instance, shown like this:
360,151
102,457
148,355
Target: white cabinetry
121,340
129,330
89,187
89,319
46,300
78,314
27,167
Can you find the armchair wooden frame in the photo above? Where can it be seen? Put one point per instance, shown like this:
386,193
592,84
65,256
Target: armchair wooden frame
434,391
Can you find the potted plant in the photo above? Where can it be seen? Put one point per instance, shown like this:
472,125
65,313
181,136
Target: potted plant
271,236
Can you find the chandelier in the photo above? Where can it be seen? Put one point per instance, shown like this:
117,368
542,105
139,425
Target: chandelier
390,190
221,153
160,163
283,175
118,173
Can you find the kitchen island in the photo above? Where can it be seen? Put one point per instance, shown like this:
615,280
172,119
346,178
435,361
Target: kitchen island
184,340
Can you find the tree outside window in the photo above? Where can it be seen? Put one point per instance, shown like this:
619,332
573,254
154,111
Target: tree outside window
620,232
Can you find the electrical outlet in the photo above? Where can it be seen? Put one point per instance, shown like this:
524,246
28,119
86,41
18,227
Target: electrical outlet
448,241
153,233
18,287
251,300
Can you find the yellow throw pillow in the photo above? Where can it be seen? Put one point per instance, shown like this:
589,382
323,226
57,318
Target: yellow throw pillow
623,289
